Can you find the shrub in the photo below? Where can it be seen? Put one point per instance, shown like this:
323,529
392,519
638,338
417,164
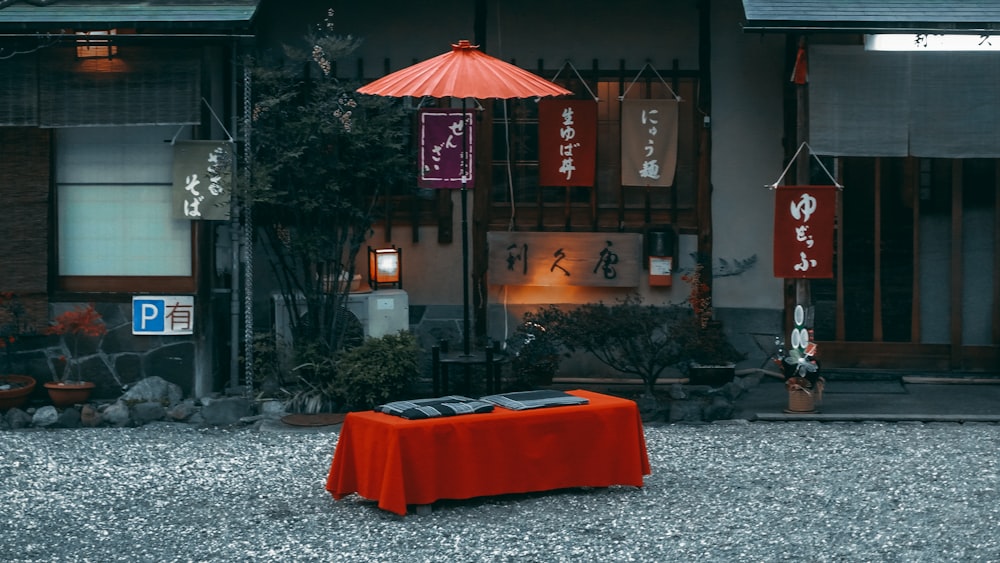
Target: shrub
536,348
630,337
316,379
267,375
377,371
644,340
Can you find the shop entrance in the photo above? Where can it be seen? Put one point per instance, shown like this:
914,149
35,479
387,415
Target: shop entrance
915,284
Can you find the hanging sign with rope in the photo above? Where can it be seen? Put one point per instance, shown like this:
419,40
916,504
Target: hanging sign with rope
804,218
443,136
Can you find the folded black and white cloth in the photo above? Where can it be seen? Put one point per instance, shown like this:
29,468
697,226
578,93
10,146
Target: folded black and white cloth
524,400
452,405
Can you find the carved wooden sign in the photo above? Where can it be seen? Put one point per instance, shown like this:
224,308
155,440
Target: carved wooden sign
581,259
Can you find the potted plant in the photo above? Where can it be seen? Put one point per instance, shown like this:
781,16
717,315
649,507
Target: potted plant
14,388
707,356
803,381
74,325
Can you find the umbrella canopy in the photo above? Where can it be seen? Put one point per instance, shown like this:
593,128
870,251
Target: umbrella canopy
465,72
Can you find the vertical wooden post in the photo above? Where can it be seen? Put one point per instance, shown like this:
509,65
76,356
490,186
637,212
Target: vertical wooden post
840,323
956,264
877,256
996,255
803,295
704,194
913,181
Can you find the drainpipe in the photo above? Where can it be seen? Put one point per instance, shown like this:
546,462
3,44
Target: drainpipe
234,235
704,193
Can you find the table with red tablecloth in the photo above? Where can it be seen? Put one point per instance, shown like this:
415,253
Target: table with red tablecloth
400,462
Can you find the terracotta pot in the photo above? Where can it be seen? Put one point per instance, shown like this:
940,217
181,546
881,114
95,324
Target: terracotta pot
800,401
23,385
65,394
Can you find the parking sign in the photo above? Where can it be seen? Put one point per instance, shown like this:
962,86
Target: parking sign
159,314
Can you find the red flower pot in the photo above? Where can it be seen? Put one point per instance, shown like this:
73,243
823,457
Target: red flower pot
21,388
66,394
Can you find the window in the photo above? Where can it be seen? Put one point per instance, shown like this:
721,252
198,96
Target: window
96,45
113,191
517,197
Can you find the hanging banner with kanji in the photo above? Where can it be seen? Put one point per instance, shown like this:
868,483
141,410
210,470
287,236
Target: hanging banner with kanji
443,136
803,231
202,180
649,142
567,142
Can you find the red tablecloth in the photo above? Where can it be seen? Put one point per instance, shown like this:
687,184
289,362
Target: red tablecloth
401,462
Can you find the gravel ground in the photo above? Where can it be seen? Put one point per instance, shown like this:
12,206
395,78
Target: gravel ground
722,492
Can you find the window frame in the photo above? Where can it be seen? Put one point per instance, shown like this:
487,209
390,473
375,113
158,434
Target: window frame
66,285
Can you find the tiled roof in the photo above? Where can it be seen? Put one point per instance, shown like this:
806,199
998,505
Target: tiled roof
145,13
933,16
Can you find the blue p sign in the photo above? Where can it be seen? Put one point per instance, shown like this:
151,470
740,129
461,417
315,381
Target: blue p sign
159,314
148,316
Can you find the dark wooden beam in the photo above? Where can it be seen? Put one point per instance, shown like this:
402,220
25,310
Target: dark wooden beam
956,264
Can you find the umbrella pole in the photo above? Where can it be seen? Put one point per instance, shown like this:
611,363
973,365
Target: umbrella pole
466,340
465,271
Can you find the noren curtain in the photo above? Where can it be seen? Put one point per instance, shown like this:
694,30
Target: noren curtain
925,104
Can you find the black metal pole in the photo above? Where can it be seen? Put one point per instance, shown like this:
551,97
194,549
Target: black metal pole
466,344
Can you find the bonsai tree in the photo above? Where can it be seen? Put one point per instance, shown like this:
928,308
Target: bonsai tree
73,325
702,339
14,387
629,337
321,159
705,345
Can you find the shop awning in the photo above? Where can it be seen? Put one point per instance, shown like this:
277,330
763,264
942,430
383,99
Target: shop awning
872,16
228,15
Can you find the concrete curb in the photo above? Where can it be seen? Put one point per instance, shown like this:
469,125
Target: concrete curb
951,380
820,417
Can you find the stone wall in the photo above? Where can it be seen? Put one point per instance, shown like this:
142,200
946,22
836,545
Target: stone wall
114,361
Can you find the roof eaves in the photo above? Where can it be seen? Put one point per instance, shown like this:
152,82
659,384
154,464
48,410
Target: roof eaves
175,14
785,26
872,16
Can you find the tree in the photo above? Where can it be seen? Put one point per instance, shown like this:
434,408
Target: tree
321,158
645,340
633,338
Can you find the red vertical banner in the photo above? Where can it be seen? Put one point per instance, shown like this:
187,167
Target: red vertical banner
444,137
567,142
803,231
649,142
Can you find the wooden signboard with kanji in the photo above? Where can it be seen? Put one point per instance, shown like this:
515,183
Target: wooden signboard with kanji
572,259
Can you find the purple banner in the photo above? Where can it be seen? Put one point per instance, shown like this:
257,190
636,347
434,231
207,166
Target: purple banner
443,134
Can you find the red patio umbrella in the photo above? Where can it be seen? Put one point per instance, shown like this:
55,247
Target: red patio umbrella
465,72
